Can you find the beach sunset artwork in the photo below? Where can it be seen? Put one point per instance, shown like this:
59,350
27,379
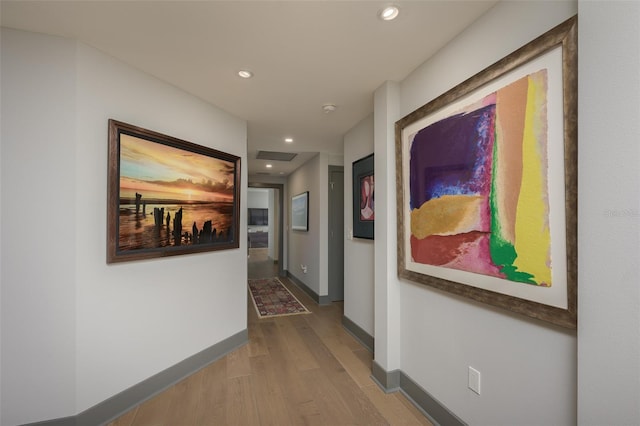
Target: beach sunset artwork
170,196
478,187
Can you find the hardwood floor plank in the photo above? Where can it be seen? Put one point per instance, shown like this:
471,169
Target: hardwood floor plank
303,408
185,400
126,419
212,407
392,408
240,403
332,408
238,363
296,351
270,401
295,370
358,371
256,345
365,356
154,411
358,404
286,365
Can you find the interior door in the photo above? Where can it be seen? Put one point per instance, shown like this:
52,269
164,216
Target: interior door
336,233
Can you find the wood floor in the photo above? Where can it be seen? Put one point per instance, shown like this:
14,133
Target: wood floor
295,370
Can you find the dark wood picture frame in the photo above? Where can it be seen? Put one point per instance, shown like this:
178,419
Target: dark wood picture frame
363,197
167,196
564,313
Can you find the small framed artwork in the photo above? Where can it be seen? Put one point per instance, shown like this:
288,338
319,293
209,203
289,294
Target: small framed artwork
167,196
487,184
300,212
363,198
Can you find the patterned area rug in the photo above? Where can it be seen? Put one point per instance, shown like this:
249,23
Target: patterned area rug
272,299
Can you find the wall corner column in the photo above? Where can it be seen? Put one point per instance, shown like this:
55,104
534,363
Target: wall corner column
387,312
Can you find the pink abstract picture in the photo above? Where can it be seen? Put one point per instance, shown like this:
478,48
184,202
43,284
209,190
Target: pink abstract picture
478,186
367,211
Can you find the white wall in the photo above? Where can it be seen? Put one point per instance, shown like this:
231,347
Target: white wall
528,368
91,330
386,104
358,252
304,246
38,228
608,213
257,198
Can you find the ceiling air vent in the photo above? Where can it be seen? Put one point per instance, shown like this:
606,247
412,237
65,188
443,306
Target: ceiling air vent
276,156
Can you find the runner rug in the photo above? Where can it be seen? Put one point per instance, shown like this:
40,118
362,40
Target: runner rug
272,299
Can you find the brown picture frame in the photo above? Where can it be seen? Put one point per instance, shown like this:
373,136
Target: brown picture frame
563,312
167,196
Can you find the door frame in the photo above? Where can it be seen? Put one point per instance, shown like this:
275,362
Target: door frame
280,187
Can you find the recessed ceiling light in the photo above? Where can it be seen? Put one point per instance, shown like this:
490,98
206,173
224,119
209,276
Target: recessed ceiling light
389,13
269,166
245,73
288,140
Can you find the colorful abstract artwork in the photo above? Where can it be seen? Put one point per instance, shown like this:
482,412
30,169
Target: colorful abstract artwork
367,211
478,186
486,184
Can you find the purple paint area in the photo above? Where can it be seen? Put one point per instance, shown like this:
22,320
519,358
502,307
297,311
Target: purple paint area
452,157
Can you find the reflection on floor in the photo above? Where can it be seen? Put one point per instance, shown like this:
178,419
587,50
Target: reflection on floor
258,239
260,265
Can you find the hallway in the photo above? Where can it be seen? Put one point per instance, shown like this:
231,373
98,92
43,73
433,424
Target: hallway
295,370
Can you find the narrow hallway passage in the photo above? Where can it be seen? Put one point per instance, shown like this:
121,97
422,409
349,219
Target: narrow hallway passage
295,370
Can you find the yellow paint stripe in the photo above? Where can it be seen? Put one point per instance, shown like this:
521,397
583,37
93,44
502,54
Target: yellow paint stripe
533,237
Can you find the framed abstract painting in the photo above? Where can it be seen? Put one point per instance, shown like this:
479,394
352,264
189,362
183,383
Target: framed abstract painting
363,198
300,212
487,184
167,196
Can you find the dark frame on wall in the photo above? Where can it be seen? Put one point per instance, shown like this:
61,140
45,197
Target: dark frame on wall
300,212
257,216
363,197
489,265
167,196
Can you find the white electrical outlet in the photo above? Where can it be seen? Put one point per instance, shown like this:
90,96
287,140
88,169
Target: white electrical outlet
474,380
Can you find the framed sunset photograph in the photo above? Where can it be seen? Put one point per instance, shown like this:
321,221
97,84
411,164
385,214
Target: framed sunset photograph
167,196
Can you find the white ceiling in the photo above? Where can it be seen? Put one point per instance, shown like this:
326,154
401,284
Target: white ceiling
304,54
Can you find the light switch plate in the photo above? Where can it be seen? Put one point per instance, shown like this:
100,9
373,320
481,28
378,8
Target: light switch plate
474,380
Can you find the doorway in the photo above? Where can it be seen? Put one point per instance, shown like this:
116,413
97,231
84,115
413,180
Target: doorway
336,233
264,230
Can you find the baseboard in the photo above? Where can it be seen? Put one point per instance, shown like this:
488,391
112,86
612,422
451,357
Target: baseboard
119,404
63,421
431,407
320,300
356,331
389,381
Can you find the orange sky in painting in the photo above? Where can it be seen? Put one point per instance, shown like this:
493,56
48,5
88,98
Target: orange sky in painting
160,171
